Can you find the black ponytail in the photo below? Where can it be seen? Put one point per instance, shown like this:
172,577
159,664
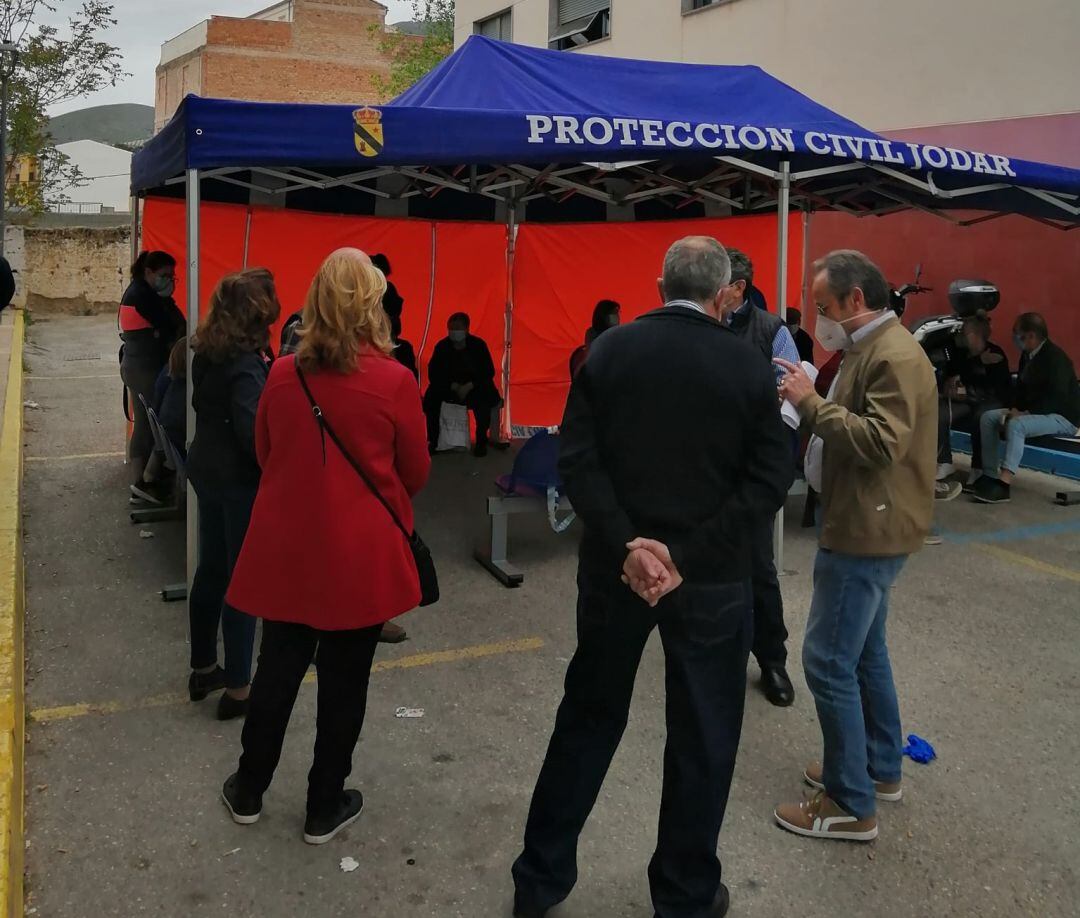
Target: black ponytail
151,261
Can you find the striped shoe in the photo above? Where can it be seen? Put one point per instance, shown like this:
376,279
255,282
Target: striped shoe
819,817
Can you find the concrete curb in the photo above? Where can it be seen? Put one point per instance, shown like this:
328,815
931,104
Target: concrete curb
12,610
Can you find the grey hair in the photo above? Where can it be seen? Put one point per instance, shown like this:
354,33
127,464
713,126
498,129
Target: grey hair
846,269
742,268
695,269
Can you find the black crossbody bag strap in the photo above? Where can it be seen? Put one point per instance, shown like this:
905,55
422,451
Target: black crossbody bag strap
327,430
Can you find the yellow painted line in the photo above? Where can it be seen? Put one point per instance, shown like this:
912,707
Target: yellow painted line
12,612
1034,563
46,378
73,456
70,711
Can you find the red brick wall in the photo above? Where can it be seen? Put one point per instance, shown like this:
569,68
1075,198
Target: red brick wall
328,53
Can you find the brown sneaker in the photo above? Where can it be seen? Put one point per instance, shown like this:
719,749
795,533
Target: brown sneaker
819,817
890,792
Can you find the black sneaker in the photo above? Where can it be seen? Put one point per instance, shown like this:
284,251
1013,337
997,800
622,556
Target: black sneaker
199,685
318,830
244,808
480,450
151,492
229,708
991,491
968,487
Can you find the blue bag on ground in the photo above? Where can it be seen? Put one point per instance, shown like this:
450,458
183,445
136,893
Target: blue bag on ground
536,473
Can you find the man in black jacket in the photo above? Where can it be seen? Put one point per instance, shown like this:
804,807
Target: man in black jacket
671,447
461,372
1047,403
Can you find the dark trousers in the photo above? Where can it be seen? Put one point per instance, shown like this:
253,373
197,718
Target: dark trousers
705,632
139,371
961,416
343,660
223,523
770,633
479,402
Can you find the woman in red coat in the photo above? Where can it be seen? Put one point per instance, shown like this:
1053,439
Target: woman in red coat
323,563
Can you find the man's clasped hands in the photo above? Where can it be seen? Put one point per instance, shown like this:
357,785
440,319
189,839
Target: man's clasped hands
649,571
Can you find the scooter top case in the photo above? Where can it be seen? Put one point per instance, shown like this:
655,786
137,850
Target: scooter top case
968,297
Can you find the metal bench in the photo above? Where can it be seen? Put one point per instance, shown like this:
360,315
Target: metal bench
493,555
1054,455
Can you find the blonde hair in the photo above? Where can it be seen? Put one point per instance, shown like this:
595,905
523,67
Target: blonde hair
343,313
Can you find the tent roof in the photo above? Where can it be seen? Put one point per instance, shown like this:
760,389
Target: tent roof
509,122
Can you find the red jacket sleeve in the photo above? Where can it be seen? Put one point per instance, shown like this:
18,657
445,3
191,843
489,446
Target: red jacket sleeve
411,458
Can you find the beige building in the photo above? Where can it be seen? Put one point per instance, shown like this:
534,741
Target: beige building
292,51
886,64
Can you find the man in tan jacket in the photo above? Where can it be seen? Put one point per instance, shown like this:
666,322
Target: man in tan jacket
878,433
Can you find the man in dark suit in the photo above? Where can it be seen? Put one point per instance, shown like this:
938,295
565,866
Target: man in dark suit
672,446
461,372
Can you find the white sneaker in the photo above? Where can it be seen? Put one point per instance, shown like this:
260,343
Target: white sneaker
947,490
945,470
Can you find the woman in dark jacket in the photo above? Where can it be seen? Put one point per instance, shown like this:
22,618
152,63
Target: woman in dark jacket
228,375
605,315
150,323
348,568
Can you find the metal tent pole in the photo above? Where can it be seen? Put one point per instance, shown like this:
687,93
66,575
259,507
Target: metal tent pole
782,212
508,332
193,199
136,229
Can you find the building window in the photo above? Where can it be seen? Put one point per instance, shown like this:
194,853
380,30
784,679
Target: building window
578,22
692,6
497,26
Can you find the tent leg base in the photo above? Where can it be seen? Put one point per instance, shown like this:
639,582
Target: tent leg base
156,515
176,592
503,571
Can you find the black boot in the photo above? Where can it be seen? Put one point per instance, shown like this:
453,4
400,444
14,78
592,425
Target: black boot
202,684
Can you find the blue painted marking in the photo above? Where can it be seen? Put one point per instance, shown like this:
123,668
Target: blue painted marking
1016,534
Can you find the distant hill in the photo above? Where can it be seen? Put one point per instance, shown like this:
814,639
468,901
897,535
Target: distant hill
120,125
409,28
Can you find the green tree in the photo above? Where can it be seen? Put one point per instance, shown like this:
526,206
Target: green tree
412,56
53,66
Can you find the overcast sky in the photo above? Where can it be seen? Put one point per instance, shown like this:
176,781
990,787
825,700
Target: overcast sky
144,24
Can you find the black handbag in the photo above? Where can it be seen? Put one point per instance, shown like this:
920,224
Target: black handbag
425,564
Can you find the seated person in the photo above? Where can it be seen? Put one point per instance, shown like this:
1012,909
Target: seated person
605,315
978,382
169,401
1046,403
461,372
804,344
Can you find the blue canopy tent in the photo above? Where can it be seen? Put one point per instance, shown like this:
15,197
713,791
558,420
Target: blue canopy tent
504,132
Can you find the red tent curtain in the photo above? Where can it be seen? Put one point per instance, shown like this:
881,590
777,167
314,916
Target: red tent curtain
560,271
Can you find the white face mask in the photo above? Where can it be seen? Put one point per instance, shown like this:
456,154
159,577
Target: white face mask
831,334
457,335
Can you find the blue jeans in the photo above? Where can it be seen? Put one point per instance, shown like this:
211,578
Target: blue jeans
1016,432
848,671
